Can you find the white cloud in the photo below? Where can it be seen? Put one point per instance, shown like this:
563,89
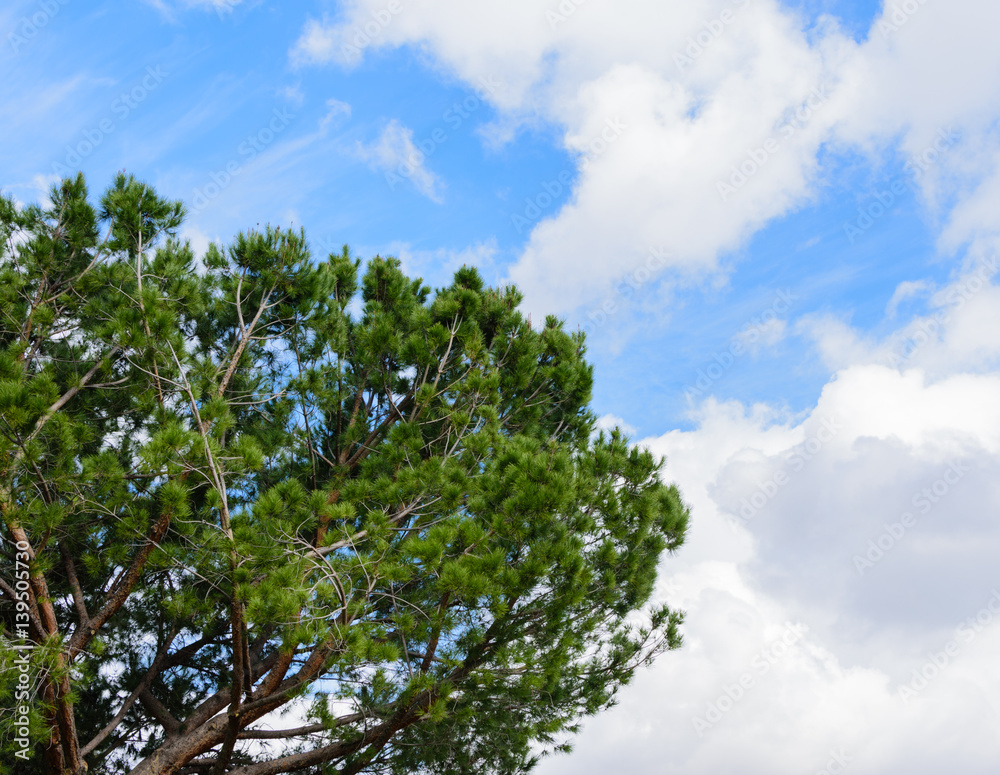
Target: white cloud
395,155
337,111
878,444
316,45
905,290
870,519
653,140
344,41
911,82
961,329
43,185
704,93
198,239
611,421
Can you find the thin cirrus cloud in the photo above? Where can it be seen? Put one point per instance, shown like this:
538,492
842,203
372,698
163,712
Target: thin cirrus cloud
170,9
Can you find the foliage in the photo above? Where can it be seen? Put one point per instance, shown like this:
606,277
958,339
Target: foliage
257,482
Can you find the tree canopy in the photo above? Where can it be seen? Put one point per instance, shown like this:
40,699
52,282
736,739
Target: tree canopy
265,513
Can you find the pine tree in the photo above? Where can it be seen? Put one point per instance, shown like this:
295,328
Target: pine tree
254,482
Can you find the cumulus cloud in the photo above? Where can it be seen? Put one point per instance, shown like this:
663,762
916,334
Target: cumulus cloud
866,527
395,155
718,112
660,127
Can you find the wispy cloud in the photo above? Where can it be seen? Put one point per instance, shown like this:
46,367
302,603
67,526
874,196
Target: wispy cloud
337,111
395,155
169,9
316,45
906,290
343,42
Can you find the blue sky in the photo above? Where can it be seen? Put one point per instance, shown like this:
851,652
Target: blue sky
221,74
591,152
